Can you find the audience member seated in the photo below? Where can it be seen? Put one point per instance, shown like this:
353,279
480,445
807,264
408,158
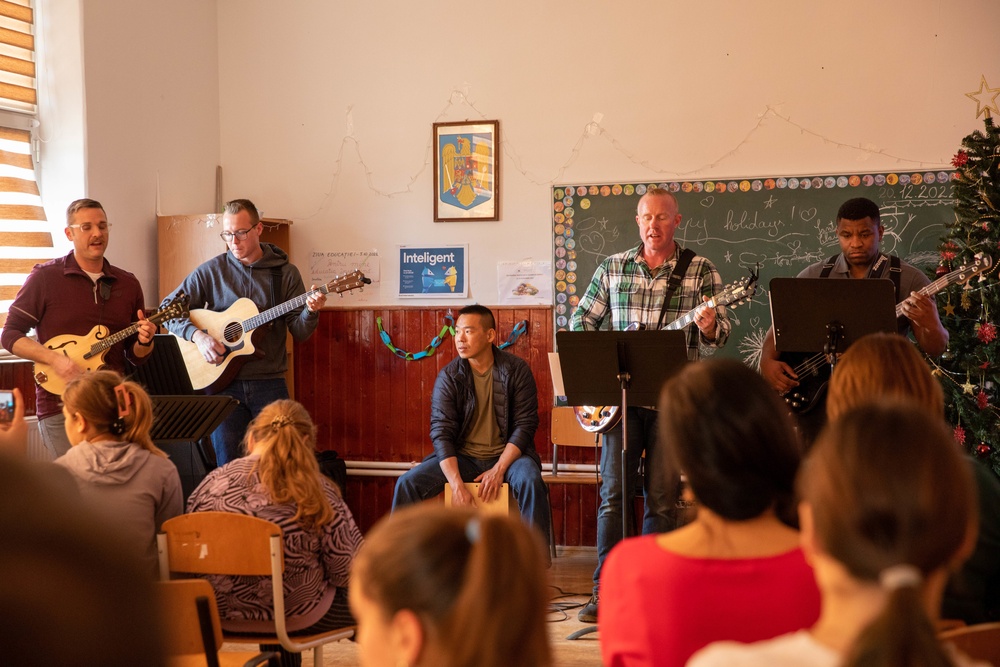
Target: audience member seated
116,465
279,480
447,587
736,571
887,510
888,365
71,591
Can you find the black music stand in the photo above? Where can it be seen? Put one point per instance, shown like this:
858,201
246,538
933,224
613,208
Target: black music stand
619,367
181,415
821,315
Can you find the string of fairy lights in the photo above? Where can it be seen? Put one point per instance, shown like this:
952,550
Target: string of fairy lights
460,100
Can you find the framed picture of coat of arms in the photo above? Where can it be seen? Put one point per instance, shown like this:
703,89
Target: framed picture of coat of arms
466,171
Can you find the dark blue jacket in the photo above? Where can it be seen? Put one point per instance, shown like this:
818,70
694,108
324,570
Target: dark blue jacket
515,403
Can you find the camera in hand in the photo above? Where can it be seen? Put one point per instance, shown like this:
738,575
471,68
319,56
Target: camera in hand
6,406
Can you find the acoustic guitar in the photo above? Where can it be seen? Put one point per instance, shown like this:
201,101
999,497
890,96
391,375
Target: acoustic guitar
602,418
233,326
813,370
88,351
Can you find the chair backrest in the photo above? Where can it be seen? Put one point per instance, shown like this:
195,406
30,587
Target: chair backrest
182,624
980,641
203,543
566,430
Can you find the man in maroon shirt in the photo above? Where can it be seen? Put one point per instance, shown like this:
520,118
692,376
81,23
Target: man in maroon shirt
72,295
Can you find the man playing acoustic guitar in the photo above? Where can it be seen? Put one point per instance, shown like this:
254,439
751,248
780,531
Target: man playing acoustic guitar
631,287
860,231
69,297
261,273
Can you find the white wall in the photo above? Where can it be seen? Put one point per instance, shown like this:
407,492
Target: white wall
321,111
679,84
150,112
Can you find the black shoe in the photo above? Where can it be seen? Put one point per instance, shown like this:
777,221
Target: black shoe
589,612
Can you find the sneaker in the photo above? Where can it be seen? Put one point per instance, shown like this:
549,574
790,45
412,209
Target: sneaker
589,612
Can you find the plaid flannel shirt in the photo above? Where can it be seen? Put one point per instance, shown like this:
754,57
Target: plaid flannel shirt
624,289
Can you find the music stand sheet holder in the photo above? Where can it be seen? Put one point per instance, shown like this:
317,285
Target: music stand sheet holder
181,414
618,368
823,315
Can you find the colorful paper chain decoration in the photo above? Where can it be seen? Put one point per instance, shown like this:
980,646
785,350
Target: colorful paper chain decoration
449,327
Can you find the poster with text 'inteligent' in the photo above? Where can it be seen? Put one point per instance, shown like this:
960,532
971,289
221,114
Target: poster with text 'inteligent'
434,272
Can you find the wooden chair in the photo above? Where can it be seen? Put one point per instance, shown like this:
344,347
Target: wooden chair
236,544
567,432
191,626
980,641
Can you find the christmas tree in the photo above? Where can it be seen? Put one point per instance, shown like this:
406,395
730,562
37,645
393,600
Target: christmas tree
968,369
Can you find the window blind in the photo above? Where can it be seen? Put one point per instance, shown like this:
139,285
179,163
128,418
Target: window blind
17,56
25,239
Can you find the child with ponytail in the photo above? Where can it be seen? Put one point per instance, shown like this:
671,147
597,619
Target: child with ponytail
118,469
449,587
279,480
888,509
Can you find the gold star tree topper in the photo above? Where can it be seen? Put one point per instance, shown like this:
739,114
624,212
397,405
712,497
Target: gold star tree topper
985,98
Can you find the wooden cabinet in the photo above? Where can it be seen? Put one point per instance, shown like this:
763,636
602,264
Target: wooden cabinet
185,241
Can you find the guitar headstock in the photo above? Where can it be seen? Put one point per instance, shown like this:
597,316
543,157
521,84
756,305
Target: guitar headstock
345,283
173,309
979,266
739,292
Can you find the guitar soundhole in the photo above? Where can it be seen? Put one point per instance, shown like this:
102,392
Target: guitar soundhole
233,333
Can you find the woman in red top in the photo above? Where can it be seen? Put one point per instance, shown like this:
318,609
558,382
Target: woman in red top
736,571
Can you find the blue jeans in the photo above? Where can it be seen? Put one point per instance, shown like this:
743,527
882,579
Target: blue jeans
254,396
53,432
523,476
659,491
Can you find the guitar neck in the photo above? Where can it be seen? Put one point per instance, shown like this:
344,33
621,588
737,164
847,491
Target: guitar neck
273,313
113,339
690,316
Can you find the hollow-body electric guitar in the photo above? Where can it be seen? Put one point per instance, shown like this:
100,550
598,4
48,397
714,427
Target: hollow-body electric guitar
602,418
88,351
233,326
813,370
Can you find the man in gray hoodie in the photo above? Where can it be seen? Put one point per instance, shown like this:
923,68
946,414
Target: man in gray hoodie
262,273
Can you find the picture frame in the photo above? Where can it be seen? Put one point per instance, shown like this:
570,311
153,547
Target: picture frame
466,171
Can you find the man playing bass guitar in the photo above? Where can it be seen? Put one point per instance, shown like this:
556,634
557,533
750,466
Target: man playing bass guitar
262,273
860,231
631,287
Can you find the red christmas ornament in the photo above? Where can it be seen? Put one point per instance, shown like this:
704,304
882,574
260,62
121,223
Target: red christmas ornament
982,400
959,435
983,450
942,270
960,159
987,332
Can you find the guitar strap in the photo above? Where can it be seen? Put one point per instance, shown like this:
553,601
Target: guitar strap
275,287
680,268
877,270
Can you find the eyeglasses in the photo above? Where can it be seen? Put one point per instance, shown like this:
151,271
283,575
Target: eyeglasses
239,234
88,227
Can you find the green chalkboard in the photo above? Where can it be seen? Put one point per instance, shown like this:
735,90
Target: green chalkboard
782,223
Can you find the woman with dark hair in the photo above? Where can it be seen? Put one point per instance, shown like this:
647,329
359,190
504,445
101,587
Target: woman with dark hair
736,571
888,508
449,587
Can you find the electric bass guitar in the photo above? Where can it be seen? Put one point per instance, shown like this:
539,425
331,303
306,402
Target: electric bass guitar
602,418
233,326
88,351
813,370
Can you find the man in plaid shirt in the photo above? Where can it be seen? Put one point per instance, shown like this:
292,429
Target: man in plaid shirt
629,287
